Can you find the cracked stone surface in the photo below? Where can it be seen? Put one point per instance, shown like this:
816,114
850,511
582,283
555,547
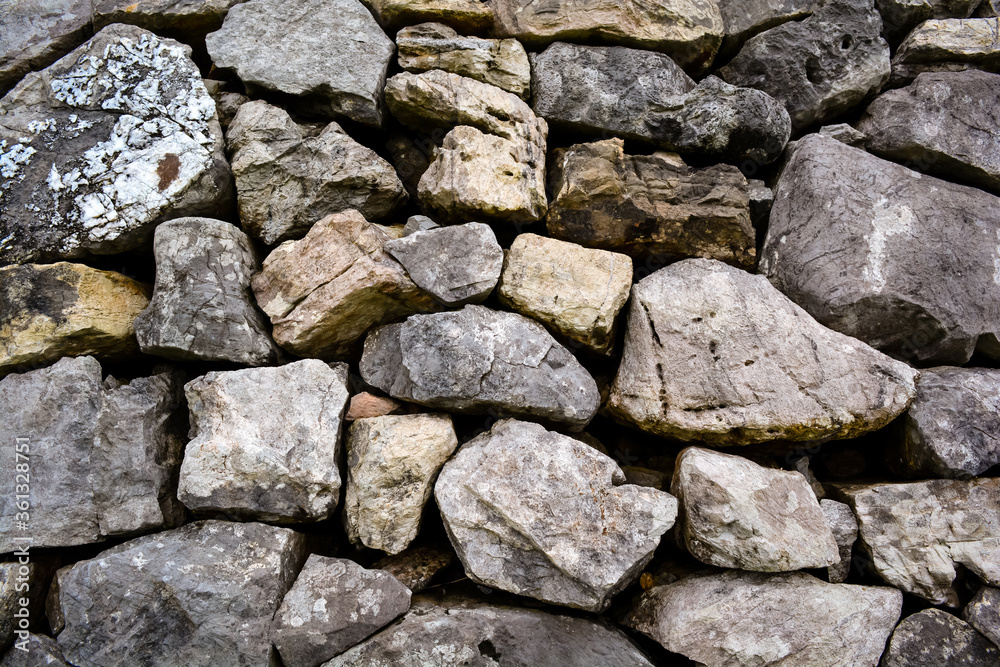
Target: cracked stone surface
935,637
35,34
845,532
983,613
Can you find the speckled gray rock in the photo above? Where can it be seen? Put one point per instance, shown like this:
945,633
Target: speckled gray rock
983,613
947,45
192,18
418,223
867,247
743,619
101,146
42,651
845,532
199,596
265,441
201,307
845,134
719,355
935,637
478,360
745,18
35,33
900,17
334,604
540,514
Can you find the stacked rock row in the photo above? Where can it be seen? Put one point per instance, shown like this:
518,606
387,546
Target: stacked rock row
686,352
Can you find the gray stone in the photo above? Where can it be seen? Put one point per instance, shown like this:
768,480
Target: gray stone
870,248
761,199
845,532
983,613
947,45
35,33
331,57
417,567
845,134
40,650
935,637
191,18
10,602
477,360
540,514
418,223
745,18
900,17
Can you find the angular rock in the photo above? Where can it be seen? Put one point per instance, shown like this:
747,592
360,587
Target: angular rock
286,179
200,595
331,58
265,442
900,17
743,19
392,463
740,618
983,613
334,604
478,360
719,355
575,291
326,290
947,45
191,19
463,15
366,405
871,249
104,144
845,531
935,637
48,311
35,34
540,514
761,200
202,309
418,223
417,567
41,650
649,205
845,134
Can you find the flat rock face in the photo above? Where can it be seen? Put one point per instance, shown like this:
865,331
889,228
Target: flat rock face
868,248
743,19
332,57
264,442
575,291
705,618
983,613
48,311
110,140
844,526
334,604
719,355
917,533
649,205
466,16
478,360
935,637
202,308
963,43
326,290
540,514
735,513
200,595
287,179
35,33
392,462
196,18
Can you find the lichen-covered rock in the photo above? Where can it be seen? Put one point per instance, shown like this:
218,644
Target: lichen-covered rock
466,16
719,355
331,57
265,442
102,145
478,360
948,45
935,637
287,179
35,34
845,532
983,613
40,650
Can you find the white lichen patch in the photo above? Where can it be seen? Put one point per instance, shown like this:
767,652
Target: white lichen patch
888,221
12,159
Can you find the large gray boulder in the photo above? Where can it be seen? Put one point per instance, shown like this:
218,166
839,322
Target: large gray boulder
935,637
35,33
983,613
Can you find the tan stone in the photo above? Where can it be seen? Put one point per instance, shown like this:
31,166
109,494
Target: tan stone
365,405
948,45
465,15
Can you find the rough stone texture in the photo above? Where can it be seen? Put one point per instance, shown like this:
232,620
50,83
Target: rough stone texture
464,15
743,19
871,249
478,360
649,205
845,134
334,604
200,596
101,146
761,200
900,17
59,310
202,308
935,637
9,603
500,62
265,441
576,292
796,619
41,651
287,179
719,355
417,567
35,33
819,67
418,223
917,533
457,265
192,18
988,9
459,632
392,463
845,531
983,613
540,514
948,45
326,290
366,405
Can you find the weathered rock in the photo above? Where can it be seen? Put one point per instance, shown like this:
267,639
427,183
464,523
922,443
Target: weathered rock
819,67
417,567
900,17
649,205
40,650
418,223
366,405
947,45
719,355
286,179
845,532
182,17
917,533
463,15
265,442
60,310
35,34
736,618
101,146
326,290
575,291
199,596
540,514
935,637
983,613
202,308
478,360
988,9
9,603
869,248
845,134
334,604
332,57
761,200
392,463
500,62
743,19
